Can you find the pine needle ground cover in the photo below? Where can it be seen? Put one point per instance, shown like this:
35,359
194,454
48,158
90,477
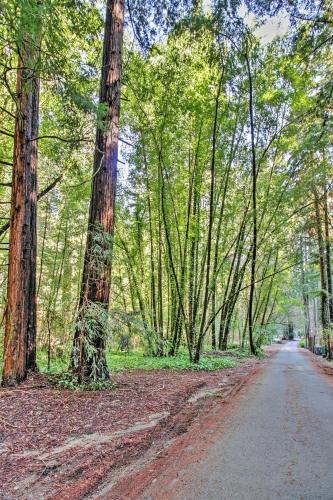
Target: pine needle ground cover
69,442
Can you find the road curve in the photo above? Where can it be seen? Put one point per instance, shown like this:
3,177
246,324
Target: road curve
278,444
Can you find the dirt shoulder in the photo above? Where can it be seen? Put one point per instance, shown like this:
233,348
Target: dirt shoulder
322,365
69,445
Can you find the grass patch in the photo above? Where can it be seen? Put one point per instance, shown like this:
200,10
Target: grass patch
57,365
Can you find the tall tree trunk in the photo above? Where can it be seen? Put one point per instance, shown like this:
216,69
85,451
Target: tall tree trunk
328,271
46,222
20,330
194,251
219,226
210,224
254,213
152,254
88,358
324,311
178,327
305,295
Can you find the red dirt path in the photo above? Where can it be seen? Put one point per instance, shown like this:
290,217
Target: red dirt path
59,444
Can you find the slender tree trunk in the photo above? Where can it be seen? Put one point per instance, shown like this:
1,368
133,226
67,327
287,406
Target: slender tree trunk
324,306
210,225
160,294
170,255
219,227
46,221
152,256
269,293
233,273
322,268
88,359
20,330
328,273
305,297
193,254
52,289
178,327
328,258
254,213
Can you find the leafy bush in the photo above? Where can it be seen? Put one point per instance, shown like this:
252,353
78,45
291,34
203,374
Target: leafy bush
238,351
262,338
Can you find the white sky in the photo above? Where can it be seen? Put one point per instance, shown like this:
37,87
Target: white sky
273,27
270,28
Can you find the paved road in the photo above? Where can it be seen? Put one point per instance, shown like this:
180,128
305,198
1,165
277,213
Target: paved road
279,444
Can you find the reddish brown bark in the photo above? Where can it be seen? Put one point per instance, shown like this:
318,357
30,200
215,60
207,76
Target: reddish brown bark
20,331
89,352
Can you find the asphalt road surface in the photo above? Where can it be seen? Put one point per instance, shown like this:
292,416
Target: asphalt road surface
279,443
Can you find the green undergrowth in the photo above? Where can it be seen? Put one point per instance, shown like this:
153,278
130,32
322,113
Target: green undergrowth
238,352
67,380
120,361
137,361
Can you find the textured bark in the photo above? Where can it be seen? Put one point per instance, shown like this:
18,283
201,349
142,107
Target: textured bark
20,331
96,279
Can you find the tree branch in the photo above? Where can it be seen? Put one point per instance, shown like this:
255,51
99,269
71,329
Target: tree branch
63,139
6,132
40,195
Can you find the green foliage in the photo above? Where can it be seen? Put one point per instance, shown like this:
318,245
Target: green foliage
92,330
137,361
101,249
239,352
58,364
69,381
121,361
262,338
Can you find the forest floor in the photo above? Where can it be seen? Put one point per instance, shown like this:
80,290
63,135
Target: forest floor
63,444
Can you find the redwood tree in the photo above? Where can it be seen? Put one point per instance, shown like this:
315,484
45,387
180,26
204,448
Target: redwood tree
88,356
20,330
